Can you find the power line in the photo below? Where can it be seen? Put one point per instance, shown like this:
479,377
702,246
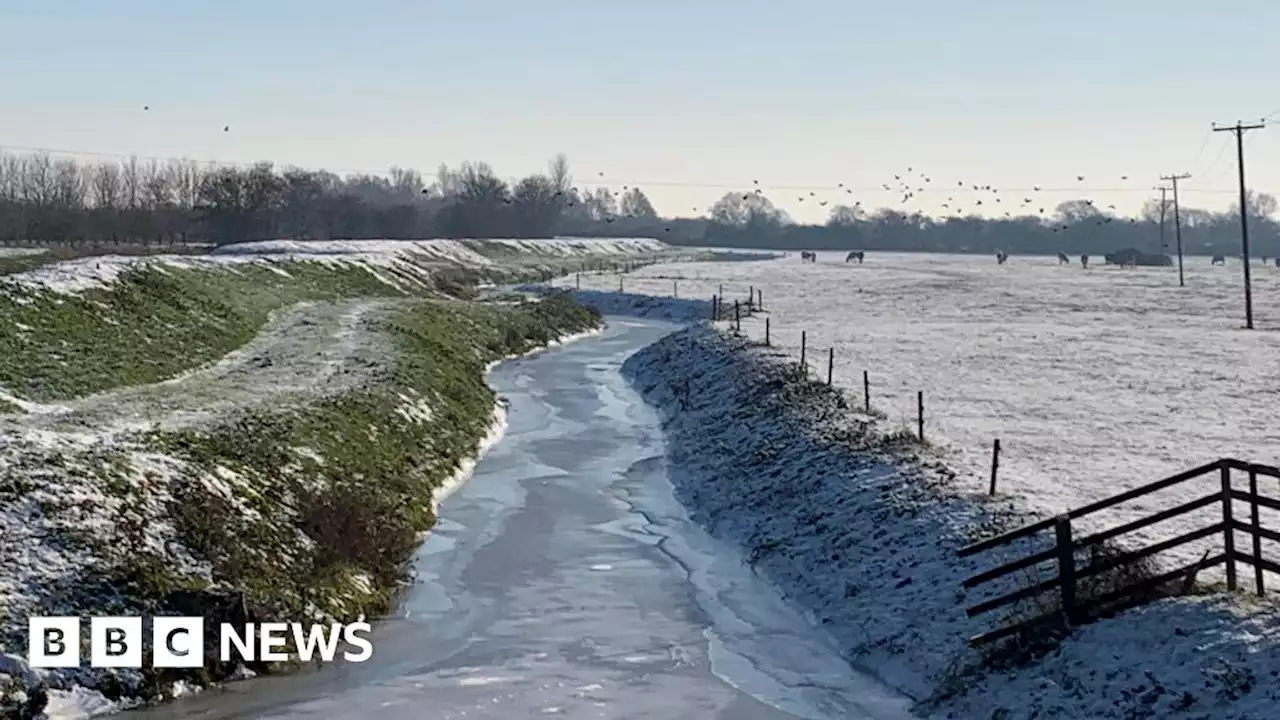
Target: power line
1239,130
1204,143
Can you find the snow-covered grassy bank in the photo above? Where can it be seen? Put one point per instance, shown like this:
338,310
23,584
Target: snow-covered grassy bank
610,303
860,527
261,438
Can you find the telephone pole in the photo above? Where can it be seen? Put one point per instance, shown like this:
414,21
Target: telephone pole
1163,205
1177,223
1239,130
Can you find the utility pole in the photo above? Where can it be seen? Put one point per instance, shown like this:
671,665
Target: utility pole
1164,204
1177,223
1239,130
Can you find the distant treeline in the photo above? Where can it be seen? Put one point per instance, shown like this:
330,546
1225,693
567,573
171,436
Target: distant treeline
64,201
49,201
749,220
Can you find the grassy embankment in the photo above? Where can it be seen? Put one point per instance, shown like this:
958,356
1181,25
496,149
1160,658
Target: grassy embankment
306,510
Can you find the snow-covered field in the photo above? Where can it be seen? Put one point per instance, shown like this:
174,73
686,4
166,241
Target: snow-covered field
1095,381
864,541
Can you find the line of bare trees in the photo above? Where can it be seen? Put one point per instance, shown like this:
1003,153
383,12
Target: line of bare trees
60,201
751,220
44,200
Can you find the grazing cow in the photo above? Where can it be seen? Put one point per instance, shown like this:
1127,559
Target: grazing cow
855,255
1001,256
1063,259
1277,262
1218,260
806,256
1084,261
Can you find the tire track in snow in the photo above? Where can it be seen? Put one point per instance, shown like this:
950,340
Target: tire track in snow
307,350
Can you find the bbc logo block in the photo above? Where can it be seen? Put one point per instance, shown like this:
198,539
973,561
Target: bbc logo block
116,642
179,642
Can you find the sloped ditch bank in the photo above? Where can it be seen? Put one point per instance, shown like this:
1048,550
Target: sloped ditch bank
286,513
857,528
860,529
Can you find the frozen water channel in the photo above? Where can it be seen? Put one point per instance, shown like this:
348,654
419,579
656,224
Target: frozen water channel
564,580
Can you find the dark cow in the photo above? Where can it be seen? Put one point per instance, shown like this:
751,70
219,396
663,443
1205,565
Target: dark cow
1084,261
806,256
1063,259
1218,260
855,255
1001,257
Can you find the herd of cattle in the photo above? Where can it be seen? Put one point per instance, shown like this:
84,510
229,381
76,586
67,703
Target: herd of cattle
1123,258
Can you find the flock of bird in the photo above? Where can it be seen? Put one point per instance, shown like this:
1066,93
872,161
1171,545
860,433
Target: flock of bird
903,183
908,190
912,182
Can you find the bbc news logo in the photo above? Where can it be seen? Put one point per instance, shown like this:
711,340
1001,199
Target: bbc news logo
178,642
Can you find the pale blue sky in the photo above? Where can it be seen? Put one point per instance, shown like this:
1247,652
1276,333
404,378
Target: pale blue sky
705,93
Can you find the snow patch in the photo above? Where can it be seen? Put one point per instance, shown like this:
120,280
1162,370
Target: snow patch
497,428
632,305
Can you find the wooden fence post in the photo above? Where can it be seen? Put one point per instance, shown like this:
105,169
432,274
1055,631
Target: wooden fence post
1228,533
920,414
831,364
715,308
766,332
675,289
721,289
1257,536
803,342
760,305
737,318
577,281
1066,567
619,283
751,297
995,464
866,392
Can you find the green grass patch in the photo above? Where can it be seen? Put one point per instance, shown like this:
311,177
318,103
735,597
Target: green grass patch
326,502
11,264
152,324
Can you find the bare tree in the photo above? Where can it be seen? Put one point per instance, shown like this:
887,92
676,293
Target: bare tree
559,173
131,184
845,216
157,190
635,204
536,204
1261,205
107,190
184,179
1073,211
37,180
70,187
1154,210
741,209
